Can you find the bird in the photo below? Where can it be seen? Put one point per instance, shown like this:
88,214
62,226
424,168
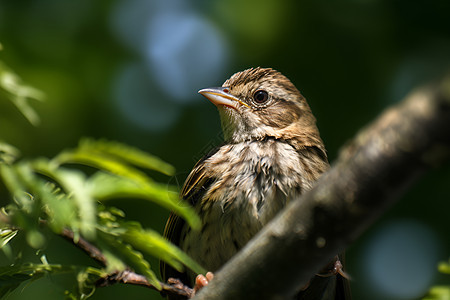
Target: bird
271,153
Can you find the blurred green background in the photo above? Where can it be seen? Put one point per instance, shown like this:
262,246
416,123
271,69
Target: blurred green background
129,70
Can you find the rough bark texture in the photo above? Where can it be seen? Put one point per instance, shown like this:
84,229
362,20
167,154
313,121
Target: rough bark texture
370,174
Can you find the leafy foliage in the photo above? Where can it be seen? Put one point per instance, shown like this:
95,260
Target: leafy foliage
48,192
12,276
18,93
55,194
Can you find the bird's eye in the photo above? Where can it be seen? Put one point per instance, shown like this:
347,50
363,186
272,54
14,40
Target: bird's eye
261,97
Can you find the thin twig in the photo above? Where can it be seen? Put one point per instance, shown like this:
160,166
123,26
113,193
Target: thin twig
84,245
126,276
129,277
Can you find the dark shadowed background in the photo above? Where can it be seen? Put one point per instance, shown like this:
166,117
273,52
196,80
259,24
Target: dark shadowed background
129,70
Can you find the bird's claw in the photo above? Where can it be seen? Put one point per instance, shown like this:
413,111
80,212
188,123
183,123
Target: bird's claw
201,281
333,269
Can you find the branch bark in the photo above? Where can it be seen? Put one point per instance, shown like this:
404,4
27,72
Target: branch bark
125,276
129,277
84,245
371,173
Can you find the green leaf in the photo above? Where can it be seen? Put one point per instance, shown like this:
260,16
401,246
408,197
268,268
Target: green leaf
12,276
60,209
35,239
131,239
8,153
11,180
102,162
67,198
105,186
128,154
115,158
26,211
130,256
86,283
438,293
444,267
19,93
6,235
74,183
153,243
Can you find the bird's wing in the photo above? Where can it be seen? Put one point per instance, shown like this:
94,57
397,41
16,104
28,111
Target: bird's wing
195,183
193,190
172,232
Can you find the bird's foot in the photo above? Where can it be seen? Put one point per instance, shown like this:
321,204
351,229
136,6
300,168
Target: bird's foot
333,269
201,281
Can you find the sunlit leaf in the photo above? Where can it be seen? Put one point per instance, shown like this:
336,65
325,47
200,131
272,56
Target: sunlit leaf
102,162
28,208
73,182
60,209
8,153
444,267
6,235
153,243
438,293
10,179
128,154
19,93
115,158
107,186
131,257
45,192
35,239
86,283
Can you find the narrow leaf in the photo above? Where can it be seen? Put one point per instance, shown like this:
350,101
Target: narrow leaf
12,276
74,183
105,186
8,153
101,162
128,154
154,244
19,93
131,257
6,235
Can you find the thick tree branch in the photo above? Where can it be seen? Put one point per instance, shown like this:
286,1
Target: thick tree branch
370,174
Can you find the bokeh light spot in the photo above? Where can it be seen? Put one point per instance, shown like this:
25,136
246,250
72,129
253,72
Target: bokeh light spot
182,51
140,102
400,260
185,53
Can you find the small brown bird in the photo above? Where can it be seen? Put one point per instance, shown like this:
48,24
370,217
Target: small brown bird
271,154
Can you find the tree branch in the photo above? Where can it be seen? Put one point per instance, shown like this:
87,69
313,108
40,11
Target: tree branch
126,276
84,245
129,277
371,173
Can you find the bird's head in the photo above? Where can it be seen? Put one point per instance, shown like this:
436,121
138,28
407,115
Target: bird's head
261,103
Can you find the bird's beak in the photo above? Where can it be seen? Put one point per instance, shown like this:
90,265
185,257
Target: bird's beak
220,96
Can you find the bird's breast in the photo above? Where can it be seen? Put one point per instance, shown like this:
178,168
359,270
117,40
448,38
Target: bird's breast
250,183
253,179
